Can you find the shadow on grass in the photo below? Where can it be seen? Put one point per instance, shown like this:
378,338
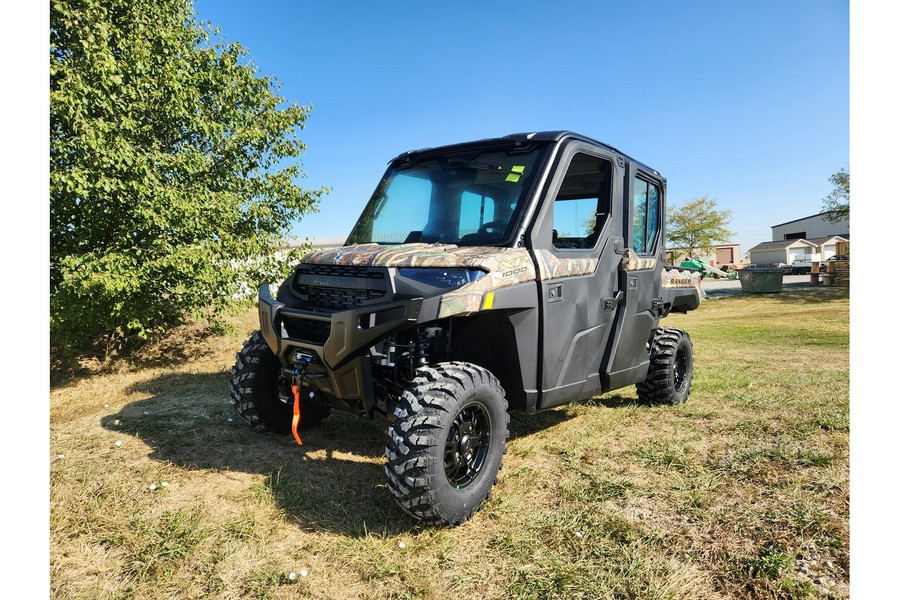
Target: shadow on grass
792,293
522,425
334,482
163,349
615,401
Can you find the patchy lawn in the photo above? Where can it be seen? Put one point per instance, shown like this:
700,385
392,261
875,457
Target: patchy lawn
742,492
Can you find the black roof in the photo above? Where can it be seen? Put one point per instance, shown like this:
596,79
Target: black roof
804,218
538,136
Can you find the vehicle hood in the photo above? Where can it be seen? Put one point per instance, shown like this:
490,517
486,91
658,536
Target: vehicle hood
488,258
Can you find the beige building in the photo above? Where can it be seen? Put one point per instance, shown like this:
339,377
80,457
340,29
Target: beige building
787,251
722,255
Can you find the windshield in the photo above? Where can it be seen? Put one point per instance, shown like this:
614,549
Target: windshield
467,197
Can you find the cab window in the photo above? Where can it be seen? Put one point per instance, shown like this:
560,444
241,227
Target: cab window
646,216
581,206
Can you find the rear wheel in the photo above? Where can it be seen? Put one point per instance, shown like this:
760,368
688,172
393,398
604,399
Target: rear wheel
447,441
262,396
671,368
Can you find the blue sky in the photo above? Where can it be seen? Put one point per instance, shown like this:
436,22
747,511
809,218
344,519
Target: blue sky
745,102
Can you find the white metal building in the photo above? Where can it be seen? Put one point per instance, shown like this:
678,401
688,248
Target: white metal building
792,240
807,228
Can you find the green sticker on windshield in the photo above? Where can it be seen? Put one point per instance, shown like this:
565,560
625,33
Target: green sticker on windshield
516,173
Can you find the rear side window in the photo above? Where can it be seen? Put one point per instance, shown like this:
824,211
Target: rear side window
646,216
581,207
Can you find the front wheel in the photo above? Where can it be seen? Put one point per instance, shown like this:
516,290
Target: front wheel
671,368
262,396
447,442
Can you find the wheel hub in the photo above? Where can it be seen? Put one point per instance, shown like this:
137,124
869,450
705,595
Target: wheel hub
467,442
467,445
680,369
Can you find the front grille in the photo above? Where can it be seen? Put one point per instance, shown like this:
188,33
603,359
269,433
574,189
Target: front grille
321,297
338,287
340,271
316,332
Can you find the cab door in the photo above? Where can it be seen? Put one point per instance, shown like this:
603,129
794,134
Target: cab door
628,358
577,241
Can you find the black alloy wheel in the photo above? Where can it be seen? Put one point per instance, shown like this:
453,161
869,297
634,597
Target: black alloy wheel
468,444
681,368
446,443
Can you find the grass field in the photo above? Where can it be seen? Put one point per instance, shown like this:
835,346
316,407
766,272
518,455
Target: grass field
742,492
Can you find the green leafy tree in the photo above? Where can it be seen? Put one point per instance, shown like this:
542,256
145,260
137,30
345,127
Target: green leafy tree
836,205
696,226
172,168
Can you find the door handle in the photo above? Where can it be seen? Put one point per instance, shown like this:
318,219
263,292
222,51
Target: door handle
610,304
554,293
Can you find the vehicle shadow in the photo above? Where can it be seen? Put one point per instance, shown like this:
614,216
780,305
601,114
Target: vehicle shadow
522,425
334,482
615,401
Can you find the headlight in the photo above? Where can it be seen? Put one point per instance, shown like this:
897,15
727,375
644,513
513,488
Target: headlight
445,278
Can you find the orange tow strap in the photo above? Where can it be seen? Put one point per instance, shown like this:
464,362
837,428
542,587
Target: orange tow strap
296,420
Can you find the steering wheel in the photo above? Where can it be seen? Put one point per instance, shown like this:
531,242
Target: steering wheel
492,227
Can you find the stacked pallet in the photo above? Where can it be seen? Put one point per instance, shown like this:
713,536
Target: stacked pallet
841,273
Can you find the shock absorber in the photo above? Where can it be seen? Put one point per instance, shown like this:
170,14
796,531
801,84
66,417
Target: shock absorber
419,349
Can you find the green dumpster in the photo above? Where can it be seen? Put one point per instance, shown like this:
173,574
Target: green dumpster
761,281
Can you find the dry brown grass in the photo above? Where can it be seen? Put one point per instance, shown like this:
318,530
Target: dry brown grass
741,492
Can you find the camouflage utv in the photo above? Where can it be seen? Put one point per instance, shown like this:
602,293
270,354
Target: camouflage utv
516,273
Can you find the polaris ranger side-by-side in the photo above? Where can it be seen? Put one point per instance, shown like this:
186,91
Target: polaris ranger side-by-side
516,273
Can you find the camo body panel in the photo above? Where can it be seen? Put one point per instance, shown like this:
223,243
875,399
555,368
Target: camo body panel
552,267
632,262
675,278
504,267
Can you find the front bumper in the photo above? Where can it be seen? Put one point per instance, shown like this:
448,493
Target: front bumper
340,365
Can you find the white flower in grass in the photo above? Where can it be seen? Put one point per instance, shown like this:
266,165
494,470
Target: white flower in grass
303,572
151,487
118,443
292,576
